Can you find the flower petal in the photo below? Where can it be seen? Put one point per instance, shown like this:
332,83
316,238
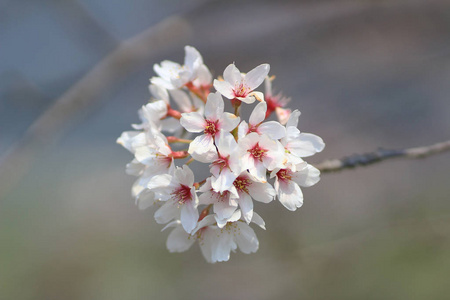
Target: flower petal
246,205
246,239
306,144
307,176
182,100
166,213
229,121
189,217
290,195
256,76
214,106
193,122
258,114
179,241
273,129
262,192
232,74
225,88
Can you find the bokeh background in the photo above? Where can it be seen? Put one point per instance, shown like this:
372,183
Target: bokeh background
365,74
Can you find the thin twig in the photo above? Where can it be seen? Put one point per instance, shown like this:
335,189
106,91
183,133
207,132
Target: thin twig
86,93
380,155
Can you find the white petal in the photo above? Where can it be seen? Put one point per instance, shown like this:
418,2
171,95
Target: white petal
206,221
258,221
229,121
202,148
145,199
307,176
290,195
262,192
306,144
159,181
214,106
258,171
293,119
258,114
162,82
134,168
224,181
126,140
158,92
246,205
249,99
226,143
182,100
179,241
242,129
273,129
189,217
193,122
223,210
166,213
256,76
232,74
204,76
209,236
184,175
225,88
192,57
246,239
223,247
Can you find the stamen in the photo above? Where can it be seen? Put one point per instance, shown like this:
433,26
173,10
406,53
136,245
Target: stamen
257,152
182,194
212,127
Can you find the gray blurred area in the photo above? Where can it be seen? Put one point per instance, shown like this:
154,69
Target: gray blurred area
365,74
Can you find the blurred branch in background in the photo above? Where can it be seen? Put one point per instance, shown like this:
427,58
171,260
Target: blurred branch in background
79,23
82,96
380,155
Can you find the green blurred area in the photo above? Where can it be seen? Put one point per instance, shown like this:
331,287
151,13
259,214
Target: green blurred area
364,74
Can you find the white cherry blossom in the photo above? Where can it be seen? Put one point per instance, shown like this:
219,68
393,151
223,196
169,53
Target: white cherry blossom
260,153
247,188
181,199
202,147
173,75
224,203
215,211
298,145
255,124
288,182
239,86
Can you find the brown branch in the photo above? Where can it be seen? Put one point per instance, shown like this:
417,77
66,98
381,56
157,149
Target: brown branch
87,92
380,155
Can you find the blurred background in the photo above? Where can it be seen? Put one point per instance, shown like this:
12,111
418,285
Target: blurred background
364,74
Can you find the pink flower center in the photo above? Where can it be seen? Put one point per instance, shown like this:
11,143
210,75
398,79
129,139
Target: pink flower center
241,90
284,175
242,183
212,127
252,128
182,194
257,152
221,197
221,163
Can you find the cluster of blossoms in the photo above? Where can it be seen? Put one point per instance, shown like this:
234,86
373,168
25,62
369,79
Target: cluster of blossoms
258,160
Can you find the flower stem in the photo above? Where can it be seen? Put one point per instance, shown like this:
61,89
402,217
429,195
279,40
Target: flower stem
179,154
173,113
174,139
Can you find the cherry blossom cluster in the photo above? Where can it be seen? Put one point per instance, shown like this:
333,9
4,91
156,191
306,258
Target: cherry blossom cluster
256,160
